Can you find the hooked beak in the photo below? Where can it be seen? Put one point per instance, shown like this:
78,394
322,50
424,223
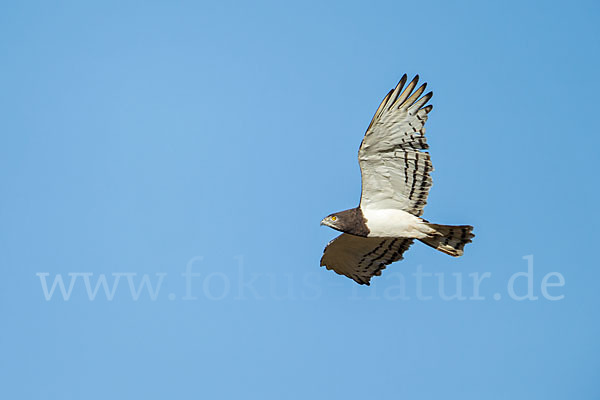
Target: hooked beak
323,222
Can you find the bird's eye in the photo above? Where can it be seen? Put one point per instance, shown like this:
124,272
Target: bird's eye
333,218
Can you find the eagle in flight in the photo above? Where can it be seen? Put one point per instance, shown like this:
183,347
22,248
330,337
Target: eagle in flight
395,184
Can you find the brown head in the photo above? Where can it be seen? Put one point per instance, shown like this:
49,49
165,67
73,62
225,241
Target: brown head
349,221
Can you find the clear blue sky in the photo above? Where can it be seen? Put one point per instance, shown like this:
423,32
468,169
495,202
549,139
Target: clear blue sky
138,138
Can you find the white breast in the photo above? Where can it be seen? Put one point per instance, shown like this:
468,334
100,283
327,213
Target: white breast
394,223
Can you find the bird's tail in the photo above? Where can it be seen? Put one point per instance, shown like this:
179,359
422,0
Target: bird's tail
449,239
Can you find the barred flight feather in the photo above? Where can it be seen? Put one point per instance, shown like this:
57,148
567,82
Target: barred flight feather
361,258
395,169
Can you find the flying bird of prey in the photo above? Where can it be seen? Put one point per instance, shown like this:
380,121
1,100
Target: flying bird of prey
395,184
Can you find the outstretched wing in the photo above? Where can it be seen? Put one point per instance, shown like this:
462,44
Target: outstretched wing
361,258
395,172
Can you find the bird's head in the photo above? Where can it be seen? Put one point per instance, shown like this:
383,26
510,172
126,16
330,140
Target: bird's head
334,221
349,221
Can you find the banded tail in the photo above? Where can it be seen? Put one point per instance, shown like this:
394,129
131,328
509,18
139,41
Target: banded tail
450,239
